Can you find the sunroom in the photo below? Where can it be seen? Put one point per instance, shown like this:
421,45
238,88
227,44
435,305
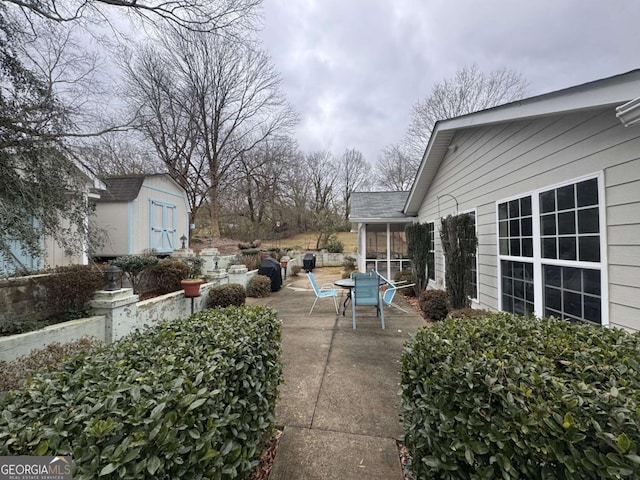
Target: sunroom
380,223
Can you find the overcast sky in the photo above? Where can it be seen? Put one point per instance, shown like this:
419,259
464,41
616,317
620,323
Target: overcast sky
353,68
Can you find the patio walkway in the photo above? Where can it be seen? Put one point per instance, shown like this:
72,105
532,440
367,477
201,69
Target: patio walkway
339,404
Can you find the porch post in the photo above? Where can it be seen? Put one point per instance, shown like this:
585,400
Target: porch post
362,246
388,262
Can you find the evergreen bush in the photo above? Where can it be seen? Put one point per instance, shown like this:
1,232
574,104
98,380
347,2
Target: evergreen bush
188,399
50,358
434,304
227,295
418,246
165,276
259,286
513,397
459,243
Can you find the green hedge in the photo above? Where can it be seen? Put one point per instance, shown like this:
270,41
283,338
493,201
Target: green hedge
509,397
188,399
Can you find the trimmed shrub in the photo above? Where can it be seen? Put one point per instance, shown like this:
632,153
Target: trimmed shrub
405,276
227,295
188,399
259,286
70,288
514,397
295,270
435,304
165,276
13,374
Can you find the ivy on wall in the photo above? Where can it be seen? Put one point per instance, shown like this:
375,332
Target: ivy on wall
459,243
418,246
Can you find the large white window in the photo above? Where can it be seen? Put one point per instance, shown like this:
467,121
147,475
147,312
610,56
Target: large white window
550,249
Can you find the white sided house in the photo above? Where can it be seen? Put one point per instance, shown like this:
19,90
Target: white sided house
141,212
54,255
553,183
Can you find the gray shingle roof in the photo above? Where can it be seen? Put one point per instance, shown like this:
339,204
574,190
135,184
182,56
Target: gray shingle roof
122,188
377,205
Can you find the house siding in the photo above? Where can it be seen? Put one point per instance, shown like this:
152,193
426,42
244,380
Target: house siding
496,162
112,219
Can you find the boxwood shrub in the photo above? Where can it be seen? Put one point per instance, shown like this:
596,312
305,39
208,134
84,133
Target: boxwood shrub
227,295
187,399
259,286
509,397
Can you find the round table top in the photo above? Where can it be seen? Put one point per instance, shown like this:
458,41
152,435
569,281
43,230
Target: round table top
350,282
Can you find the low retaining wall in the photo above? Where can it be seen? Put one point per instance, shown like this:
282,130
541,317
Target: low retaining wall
119,313
16,346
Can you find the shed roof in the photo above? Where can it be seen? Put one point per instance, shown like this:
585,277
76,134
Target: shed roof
124,188
372,207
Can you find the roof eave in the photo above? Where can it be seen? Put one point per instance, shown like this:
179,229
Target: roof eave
400,219
596,94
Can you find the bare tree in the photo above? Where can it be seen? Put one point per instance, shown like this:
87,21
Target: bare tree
120,154
205,101
468,91
395,170
353,175
323,174
321,170
195,15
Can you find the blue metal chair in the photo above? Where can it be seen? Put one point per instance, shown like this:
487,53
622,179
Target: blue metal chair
366,292
389,293
323,292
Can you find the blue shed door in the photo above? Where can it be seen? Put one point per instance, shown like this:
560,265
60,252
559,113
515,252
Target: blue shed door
19,259
163,226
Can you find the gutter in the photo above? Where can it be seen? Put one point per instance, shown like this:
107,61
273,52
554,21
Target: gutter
629,113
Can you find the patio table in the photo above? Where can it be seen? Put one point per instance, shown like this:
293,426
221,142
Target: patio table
349,284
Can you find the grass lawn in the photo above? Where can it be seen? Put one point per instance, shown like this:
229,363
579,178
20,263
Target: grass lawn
307,241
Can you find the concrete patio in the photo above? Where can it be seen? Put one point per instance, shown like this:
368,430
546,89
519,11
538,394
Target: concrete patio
339,403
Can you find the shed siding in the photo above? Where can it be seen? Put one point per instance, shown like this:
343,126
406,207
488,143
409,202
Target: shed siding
493,163
159,189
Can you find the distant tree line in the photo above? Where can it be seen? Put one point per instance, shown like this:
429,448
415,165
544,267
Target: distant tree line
196,97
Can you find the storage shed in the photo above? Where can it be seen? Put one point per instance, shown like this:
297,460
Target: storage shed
141,212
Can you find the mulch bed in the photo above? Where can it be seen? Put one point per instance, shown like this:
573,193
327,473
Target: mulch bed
268,456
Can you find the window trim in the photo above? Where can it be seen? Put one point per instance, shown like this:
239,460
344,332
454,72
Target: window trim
537,259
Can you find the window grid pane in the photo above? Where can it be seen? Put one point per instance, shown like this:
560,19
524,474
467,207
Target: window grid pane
517,287
569,223
515,228
572,293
